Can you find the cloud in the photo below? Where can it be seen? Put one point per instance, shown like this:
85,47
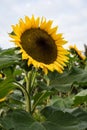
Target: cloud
69,15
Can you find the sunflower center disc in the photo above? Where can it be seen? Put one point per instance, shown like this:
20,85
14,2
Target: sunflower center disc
39,45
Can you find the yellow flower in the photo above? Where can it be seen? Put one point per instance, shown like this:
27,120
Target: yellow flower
0,75
40,44
78,52
2,99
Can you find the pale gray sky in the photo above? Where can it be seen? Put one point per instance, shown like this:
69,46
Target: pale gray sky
69,15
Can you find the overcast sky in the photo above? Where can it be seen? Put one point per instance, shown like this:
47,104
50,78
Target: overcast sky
69,15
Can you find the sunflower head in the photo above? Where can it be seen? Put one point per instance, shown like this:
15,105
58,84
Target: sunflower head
78,52
2,99
2,75
40,44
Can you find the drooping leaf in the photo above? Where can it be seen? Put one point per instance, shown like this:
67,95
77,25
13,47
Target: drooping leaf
20,120
8,57
59,120
55,120
68,120
6,86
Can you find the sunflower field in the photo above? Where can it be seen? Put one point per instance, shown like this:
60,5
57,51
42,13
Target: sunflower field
43,86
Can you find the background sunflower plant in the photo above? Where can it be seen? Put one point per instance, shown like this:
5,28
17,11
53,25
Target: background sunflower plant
42,85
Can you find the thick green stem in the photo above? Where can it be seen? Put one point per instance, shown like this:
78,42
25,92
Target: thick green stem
33,78
24,92
28,89
30,80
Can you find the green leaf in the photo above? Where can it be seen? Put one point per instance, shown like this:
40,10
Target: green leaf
8,57
62,103
7,60
18,71
16,100
6,86
63,82
20,120
55,120
59,120
9,51
41,96
37,126
81,116
81,97
69,120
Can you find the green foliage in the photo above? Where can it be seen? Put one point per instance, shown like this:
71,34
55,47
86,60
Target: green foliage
80,97
55,120
17,120
63,82
8,58
43,102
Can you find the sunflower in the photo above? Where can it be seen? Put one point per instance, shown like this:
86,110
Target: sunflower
2,99
78,52
40,44
0,75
